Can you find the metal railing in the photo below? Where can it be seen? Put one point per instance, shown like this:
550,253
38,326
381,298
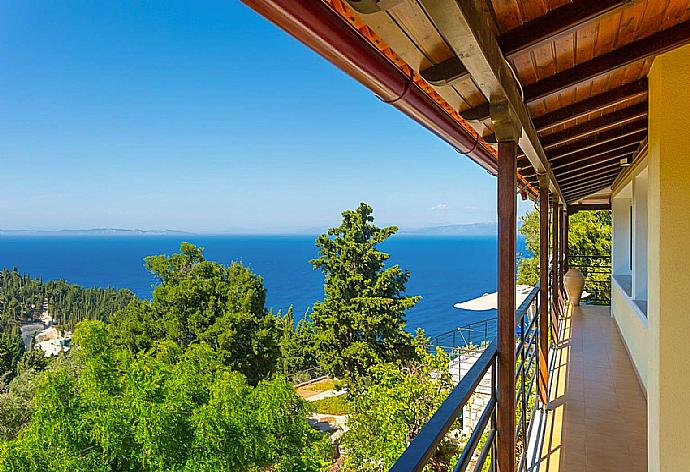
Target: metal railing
306,376
597,271
424,445
476,333
526,372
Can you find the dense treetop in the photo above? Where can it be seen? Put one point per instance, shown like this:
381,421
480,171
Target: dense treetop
361,320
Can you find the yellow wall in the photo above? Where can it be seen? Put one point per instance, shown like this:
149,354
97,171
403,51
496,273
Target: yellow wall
668,392
633,327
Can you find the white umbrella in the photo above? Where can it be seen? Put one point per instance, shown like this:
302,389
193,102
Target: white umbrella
489,301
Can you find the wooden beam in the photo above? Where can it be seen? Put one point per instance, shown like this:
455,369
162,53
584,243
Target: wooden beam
622,143
631,130
577,187
568,182
576,110
592,104
650,46
446,72
592,169
574,208
596,158
555,22
636,114
464,26
507,205
594,189
583,191
479,113
544,291
540,29
586,159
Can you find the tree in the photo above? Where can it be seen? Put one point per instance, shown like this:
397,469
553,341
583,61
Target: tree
392,407
11,347
361,321
203,301
165,409
297,344
589,233
15,404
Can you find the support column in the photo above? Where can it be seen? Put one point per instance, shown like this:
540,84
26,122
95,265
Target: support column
555,279
508,134
543,289
561,244
668,275
566,245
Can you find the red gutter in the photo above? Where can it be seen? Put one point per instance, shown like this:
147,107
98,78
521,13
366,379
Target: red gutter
317,25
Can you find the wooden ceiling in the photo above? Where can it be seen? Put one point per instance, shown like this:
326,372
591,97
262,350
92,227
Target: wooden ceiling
581,66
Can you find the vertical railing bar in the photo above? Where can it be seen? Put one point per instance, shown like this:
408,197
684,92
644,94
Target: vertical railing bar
493,416
488,446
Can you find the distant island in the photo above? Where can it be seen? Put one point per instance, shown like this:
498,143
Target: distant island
91,232
472,229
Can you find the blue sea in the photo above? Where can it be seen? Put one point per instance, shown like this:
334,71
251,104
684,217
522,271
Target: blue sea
444,269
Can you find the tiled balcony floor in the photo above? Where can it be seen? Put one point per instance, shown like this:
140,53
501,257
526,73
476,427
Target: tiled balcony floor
598,417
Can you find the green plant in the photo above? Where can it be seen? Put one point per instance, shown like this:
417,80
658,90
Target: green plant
360,323
332,405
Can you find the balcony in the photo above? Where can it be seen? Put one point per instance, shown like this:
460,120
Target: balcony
597,419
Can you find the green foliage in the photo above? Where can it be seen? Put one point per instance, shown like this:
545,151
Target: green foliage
332,405
15,404
390,409
203,301
23,298
297,345
589,233
11,347
360,322
165,409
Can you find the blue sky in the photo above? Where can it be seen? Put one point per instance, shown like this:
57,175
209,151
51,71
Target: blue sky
202,116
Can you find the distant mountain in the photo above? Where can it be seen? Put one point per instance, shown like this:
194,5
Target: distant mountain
472,229
91,232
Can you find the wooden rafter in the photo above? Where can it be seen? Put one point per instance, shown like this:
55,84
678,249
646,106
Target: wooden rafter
583,190
622,143
571,112
653,45
584,161
543,28
615,134
592,104
572,209
594,172
578,179
464,27
596,157
446,72
593,166
636,113
574,198
555,22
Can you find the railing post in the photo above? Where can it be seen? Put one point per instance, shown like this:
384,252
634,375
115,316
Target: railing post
555,279
543,289
507,133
